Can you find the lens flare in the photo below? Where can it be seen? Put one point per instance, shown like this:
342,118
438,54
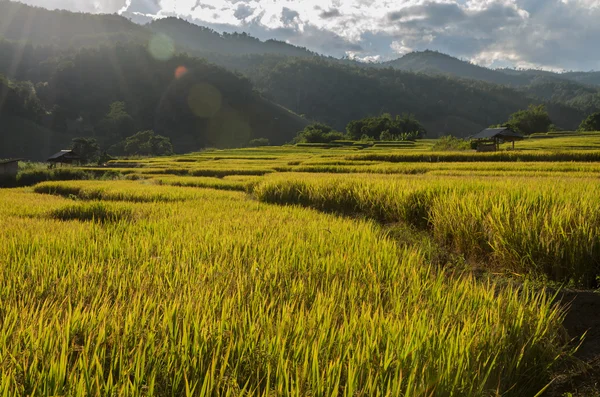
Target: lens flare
204,100
161,47
180,72
228,129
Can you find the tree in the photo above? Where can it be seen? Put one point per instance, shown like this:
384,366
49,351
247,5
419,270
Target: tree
147,143
533,119
399,128
318,133
86,148
591,123
408,124
117,124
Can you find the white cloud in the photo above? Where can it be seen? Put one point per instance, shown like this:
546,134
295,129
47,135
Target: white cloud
542,33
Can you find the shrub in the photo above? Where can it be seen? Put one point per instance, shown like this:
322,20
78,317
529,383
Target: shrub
447,143
259,142
31,177
318,133
386,136
398,128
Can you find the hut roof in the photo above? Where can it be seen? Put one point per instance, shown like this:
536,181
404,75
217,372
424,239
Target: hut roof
505,132
64,155
10,161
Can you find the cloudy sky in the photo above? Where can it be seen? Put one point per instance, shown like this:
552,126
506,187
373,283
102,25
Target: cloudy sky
551,34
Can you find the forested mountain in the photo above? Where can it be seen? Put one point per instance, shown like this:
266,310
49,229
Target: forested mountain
200,40
436,63
579,90
337,94
104,76
64,29
591,78
192,102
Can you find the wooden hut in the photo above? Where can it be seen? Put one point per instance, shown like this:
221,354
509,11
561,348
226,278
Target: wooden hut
9,168
490,138
64,157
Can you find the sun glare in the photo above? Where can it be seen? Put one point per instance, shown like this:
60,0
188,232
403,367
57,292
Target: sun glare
180,72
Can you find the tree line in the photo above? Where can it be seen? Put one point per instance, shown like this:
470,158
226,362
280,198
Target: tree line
384,127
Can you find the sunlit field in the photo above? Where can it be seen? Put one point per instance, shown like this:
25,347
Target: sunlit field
298,271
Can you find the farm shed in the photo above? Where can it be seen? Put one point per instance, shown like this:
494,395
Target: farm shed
9,168
490,138
64,157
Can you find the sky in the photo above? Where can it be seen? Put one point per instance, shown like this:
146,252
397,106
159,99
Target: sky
547,34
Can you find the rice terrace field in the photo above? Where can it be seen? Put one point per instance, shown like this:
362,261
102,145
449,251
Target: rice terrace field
309,270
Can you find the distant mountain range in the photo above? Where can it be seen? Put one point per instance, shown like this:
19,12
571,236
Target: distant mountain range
448,95
433,62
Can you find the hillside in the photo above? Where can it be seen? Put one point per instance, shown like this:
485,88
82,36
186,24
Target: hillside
591,78
437,63
433,62
579,90
202,40
64,29
337,94
201,105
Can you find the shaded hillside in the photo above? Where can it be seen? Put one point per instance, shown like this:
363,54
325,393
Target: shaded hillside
336,94
64,29
591,78
436,63
204,40
575,89
192,102
583,97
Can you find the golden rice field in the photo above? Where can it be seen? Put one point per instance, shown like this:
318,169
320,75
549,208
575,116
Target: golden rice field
296,272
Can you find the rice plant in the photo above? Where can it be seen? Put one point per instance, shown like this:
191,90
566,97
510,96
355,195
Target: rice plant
216,294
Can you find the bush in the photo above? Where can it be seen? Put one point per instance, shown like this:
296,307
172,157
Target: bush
447,143
334,136
259,142
403,127
318,133
386,136
31,177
